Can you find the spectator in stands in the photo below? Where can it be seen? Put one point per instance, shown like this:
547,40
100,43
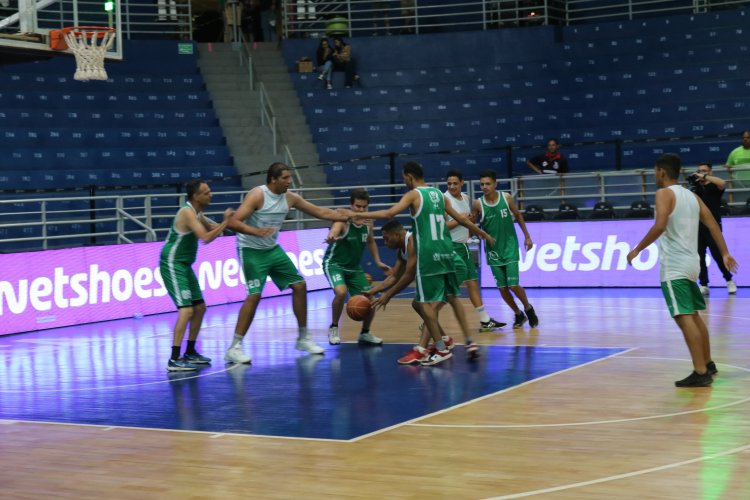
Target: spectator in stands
710,189
741,154
407,10
268,19
549,162
380,12
324,59
232,10
343,60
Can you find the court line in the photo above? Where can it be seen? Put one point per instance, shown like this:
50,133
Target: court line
625,475
598,422
486,396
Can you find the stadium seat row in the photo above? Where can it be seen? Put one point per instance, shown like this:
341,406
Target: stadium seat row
117,138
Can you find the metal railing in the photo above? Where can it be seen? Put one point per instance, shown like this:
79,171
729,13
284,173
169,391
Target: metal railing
268,116
54,222
356,17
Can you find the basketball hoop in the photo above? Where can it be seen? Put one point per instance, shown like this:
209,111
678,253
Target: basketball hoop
88,44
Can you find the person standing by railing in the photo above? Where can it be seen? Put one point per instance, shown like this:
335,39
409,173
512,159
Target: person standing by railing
551,161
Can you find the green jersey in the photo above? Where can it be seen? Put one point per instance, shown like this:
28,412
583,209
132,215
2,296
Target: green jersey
346,252
497,221
180,247
432,239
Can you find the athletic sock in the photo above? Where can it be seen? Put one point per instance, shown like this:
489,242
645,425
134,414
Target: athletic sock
303,333
483,316
236,340
175,352
190,347
440,345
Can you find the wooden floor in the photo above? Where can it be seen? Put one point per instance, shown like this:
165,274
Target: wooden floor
613,428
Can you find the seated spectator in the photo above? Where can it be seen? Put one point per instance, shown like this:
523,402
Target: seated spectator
344,61
551,162
324,59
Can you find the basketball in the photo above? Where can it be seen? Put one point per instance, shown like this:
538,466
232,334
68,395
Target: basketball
358,307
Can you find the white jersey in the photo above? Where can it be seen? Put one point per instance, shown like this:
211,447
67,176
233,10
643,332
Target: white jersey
678,246
404,251
459,234
271,214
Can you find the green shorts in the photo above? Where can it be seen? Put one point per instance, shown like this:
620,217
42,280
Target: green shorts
468,271
436,287
181,283
683,297
258,265
355,281
506,275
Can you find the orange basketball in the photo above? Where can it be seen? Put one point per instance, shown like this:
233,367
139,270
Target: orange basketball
358,307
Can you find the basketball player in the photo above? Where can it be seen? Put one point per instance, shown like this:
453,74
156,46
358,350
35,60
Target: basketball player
435,271
495,211
397,238
678,213
341,264
177,256
460,236
257,223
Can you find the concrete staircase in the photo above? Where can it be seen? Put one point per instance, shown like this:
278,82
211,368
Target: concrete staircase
238,109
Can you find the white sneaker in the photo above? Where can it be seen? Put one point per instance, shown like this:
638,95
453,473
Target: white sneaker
308,345
369,338
704,290
235,355
731,287
333,335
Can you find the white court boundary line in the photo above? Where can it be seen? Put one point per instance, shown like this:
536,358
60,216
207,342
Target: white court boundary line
625,475
598,422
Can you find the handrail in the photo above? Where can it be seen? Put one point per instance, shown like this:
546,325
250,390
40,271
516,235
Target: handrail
151,234
267,115
289,161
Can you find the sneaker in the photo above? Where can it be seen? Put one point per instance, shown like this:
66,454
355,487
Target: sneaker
533,319
705,291
321,77
520,320
472,351
329,86
235,355
333,335
695,380
416,355
308,345
731,287
197,358
180,365
491,325
437,357
369,338
711,368
449,343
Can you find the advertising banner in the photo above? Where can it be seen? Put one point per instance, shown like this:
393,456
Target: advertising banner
82,285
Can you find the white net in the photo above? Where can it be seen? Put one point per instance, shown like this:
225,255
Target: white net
89,46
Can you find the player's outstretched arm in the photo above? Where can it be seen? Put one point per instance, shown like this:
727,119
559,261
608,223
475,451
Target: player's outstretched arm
373,247
410,271
404,203
296,201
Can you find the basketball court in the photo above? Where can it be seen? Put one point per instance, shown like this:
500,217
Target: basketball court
582,407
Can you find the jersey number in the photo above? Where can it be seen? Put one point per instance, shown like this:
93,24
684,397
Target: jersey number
437,226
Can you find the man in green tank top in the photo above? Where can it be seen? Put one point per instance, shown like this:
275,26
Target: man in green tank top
257,223
678,214
435,277
342,267
495,211
177,256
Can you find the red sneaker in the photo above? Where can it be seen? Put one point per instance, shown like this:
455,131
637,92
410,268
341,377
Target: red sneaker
472,351
449,344
437,357
414,356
